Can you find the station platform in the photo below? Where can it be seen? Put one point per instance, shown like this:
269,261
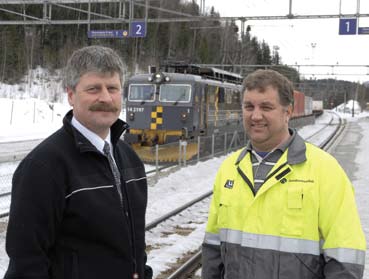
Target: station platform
352,152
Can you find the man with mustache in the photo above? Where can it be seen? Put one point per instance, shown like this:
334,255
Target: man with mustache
79,198
281,208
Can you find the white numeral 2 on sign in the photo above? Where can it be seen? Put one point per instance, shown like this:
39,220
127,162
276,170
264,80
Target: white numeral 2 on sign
138,31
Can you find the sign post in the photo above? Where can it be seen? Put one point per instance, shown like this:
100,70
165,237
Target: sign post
107,34
137,29
363,31
348,26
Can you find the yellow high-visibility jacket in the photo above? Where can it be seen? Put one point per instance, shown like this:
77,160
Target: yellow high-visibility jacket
302,223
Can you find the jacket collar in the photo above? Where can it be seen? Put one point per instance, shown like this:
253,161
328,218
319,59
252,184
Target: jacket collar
296,150
116,130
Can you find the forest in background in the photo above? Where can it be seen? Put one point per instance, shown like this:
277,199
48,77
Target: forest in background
208,42
25,47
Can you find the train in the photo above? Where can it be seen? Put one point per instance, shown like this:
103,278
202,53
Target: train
182,102
302,104
303,113
317,107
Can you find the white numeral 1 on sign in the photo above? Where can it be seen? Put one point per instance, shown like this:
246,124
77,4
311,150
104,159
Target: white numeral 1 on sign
347,26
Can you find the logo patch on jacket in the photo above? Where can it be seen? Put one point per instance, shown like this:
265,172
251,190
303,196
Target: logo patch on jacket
229,184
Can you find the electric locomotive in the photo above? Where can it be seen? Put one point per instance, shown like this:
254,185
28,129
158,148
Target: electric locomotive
180,102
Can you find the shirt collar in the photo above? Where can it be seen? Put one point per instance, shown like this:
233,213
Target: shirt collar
296,156
282,147
91,136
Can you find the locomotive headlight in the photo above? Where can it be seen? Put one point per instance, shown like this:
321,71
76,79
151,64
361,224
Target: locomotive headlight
158,78
131,116
183,116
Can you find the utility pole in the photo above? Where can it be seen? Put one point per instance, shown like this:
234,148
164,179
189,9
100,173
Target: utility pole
290,15
202,7
122,9
135,47
146,10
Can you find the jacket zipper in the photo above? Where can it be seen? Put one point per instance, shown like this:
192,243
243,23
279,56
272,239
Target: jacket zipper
125,212
278,177
119,190
247,181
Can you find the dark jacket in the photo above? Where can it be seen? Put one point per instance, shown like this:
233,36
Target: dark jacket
66,218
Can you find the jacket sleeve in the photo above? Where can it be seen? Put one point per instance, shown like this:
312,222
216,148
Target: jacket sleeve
36,209
339,223
212,265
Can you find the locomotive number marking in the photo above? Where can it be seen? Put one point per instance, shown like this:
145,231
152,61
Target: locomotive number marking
133,109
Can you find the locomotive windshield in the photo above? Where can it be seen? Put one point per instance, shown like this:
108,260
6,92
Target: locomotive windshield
178,93
141,92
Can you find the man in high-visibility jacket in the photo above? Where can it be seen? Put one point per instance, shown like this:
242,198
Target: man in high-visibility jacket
282,208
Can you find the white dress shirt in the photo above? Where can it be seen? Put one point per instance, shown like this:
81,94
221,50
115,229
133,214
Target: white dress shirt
93,137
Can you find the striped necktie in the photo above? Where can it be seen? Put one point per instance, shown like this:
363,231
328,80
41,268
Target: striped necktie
112,164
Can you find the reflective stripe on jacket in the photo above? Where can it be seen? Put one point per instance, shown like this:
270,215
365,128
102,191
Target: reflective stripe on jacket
303,222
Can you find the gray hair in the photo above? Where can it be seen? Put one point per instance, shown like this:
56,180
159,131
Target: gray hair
261,79
96,59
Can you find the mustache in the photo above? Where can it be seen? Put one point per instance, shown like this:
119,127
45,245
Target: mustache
103,107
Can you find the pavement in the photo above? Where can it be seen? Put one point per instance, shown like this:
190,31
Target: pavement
352,153
346,150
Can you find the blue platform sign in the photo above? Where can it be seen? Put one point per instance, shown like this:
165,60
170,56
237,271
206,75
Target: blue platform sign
363,31
137,29
348,26
107,34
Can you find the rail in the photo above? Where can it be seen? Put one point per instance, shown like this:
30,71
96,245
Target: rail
165,217
328,143
188,267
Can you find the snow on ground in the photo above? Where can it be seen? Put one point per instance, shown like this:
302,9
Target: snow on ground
177,188
29,118
25,119
361,184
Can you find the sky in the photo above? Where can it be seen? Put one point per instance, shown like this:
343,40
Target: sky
307,42
176,188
